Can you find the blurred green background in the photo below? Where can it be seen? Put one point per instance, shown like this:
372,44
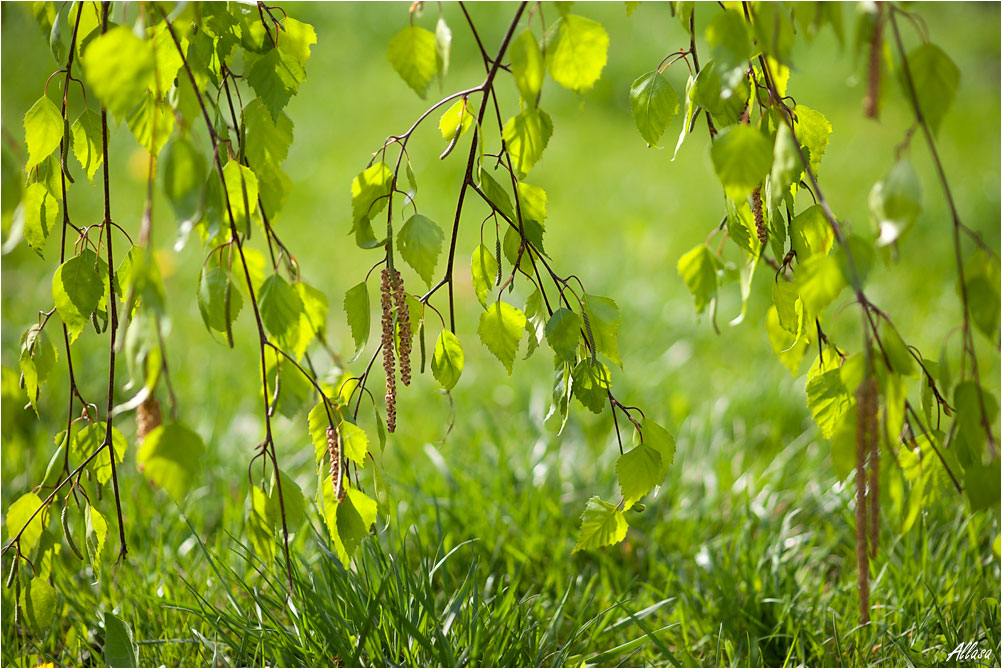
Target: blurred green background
619,216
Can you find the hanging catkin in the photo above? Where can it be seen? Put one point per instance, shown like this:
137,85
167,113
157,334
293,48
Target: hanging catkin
386,300
873,497
756,207
337,471
866,424
871,104
148,418
404,334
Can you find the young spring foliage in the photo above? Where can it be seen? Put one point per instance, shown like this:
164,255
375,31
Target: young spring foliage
767,152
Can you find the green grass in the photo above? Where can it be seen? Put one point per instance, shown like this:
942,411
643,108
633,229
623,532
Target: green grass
746,554
756,569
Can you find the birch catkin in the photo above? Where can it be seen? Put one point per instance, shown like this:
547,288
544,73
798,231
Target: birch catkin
756,202
873,498
404,333
872,102
337,471
148,417
866,424
386,300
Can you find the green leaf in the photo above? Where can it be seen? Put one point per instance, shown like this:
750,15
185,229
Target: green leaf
936,79
789,309
292,499
819,280
602,524
698,269
563,332
241,189
119,69
687,118
789,347
447,361
86,133
896,202
369,192
810,233
41,214
897,351
39,602
184,173
76,289
275,77
18,514
354,442
420,243
843,447
661,441
295,39
654,104
786,165
457,118
260,524
724,102
484,269
497,195
318,423
828,400
526,136
43,130
774,32
812,130
313,318
500,329
591,383
527,66
169,456
119,648
638,471
730,46
214,286
981,483
969,399
281,310
578,53
413,55
89,439
356,308
97,532
742,156
38,357
532,200
982,279
266,138
151,123
604,319
348,521
443,44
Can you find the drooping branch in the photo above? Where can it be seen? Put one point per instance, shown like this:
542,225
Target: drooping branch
958,227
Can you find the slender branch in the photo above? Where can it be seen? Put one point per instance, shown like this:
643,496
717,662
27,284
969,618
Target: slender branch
112,311
958,227
262,337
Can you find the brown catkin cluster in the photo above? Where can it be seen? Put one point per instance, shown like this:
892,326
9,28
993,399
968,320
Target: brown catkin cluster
756,207
386,300
871,104
337,474
404,333
866,437
147,417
